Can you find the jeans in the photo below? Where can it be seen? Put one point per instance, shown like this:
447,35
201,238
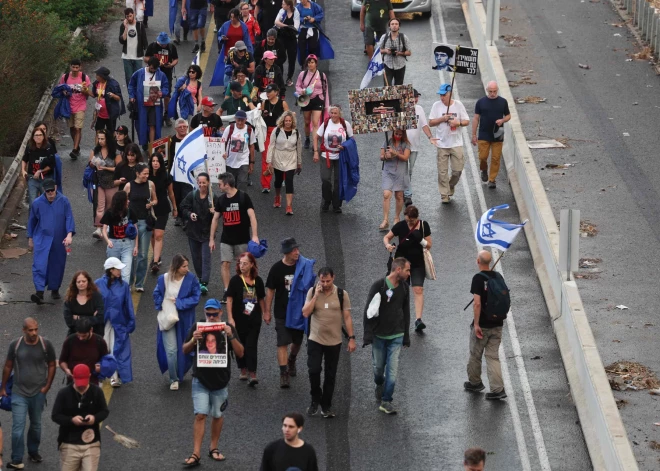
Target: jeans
21,408
490,344
139,267
407,193
315,354
330,184
208,401
130,67
34,189
200,253
178,25
123,250
385,359
171,350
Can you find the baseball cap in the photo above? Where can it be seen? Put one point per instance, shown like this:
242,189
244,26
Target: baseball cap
444,89
113,262
269,55
240,46
122,129
240,114
272,87
416,93
81,375
311,57
48,184
213,304
208,101
235,87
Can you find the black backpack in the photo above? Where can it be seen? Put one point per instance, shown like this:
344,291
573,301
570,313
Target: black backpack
498,301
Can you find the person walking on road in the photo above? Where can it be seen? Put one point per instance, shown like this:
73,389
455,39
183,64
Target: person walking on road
267,73
197,22
395,175
177,290
79,83
395,48
486,330
181,189
250,22
414,139
388,330
210,390
414,236
311,15
374,16
31,358
121,243
150,110
326,307
447,117
197,209
274,44
126,171
288,24
162,181
83,300
284,157
37,163
245,306
490,114
119,319
272,108
168,57
290,452
239,139
211,123
313,83
83,347
474,459
50,232
133,40
238,218
104,160
79,410
109,104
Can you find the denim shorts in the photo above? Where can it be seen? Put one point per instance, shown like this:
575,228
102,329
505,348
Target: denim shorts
207,402
197,19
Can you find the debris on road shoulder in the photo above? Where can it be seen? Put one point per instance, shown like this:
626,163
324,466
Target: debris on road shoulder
624,375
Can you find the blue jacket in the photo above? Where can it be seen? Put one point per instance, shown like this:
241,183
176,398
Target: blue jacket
136,91
349,170
115,108
63,107
184,99
303,279
57,173
218,78
317,13
119,312
186,302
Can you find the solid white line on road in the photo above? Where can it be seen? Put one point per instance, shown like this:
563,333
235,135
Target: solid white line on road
511,326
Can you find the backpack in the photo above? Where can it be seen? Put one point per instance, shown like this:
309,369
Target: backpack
325,128
84,77
498,301
231,132
5,401
403,42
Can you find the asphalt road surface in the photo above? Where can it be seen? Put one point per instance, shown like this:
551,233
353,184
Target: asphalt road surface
536,428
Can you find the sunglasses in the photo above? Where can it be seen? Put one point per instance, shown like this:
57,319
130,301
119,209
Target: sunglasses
50,191
212,314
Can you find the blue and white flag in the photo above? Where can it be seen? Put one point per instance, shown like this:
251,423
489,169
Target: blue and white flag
498,234
195,60
374,68
190,154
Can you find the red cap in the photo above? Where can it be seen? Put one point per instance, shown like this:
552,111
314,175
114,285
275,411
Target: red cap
208,101
81,375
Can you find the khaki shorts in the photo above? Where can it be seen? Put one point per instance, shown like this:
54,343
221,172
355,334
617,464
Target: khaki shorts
77,120
229,253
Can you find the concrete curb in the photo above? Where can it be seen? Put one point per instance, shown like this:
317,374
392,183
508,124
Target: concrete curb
604,433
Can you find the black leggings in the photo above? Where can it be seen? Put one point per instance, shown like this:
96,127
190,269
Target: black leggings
307,46
291,45
288,180
395,77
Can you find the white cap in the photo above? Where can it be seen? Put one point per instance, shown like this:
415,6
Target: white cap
114,262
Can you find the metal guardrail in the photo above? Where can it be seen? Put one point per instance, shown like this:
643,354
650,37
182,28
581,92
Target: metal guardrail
647,19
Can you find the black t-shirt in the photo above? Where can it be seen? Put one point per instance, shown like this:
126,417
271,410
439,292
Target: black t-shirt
489,111
116,225
479,287
278,456
162,183
409,242
210,124
125,171
241,292
235,218
212,378
280,278
39,158
165,55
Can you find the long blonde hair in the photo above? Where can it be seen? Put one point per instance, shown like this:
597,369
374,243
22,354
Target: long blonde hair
280,120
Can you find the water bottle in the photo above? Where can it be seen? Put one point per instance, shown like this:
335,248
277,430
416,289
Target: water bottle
68,250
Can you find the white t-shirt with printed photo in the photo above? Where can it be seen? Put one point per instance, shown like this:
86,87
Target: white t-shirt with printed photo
415,134
238,145
447,136
333,137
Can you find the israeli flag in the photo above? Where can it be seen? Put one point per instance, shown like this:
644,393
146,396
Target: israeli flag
195,60
190,154
498,234
374,68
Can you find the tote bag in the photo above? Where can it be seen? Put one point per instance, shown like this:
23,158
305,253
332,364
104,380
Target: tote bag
169,316
429,266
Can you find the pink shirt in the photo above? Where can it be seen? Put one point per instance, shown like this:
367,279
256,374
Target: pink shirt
78,101
193,91
311,80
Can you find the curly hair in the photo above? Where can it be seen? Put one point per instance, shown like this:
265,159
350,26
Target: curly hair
72,290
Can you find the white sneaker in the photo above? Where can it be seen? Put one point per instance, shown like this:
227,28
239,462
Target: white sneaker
97,234
174,386
115,383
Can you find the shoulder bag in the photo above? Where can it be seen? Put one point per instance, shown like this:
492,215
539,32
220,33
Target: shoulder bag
168,316
429,266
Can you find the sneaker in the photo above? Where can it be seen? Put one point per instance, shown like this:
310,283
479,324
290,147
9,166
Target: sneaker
307,143
445,199
195,49
177,41
484,176
325,206
203,48
224,298
177,221
97,234
407,200
167,121
419,325
115,383
204,289
253,381
155,266
387,407
379,392
451,190
337,210
292,368
35,457
289,83
284,381
327,413
38,297
55,294
278,202
215,29
313,409
15,465
468,386
73,154
174,386
492,185
491,396
139,289
185,37
244,374
289,211
265,190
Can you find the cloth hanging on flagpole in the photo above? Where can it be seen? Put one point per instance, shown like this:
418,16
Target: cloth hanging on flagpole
374,68
190,154
498,234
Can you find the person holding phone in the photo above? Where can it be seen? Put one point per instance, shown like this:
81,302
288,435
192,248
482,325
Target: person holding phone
284,157
311,15
395,179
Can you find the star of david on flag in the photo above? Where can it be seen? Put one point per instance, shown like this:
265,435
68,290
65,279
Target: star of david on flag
493,233
374,68
190,154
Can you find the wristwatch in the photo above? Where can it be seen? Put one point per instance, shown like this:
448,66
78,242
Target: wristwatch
230,338
351,337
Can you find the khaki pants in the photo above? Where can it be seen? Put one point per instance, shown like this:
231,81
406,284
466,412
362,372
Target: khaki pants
80,457
491,344
455,155
484,148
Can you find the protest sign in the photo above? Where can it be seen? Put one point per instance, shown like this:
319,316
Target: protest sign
215,163
212,349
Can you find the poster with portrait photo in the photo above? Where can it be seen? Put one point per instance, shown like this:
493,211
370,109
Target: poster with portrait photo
152,93
161,145
212,349
237,143
381,109
444,57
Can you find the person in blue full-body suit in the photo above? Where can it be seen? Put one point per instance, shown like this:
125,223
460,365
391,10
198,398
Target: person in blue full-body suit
150,117
50,231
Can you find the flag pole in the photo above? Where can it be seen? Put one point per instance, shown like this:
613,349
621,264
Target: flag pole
387,137
492,268
453,77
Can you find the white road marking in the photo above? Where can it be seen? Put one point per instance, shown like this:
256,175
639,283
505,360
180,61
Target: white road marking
511,326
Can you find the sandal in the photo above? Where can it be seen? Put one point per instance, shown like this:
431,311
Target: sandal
216,452
384,226
194,463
